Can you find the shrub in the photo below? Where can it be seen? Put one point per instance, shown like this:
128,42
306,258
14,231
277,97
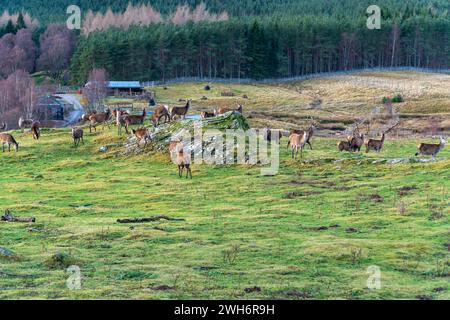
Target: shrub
397,99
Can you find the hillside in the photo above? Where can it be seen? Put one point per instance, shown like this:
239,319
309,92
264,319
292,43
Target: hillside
309,232
344,99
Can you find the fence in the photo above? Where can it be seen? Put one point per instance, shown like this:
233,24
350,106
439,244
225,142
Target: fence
287,79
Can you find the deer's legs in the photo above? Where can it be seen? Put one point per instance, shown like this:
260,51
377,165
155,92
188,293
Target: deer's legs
3,147
310,146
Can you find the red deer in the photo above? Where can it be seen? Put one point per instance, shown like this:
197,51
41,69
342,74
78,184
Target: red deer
9,139
310,133
77,135
3,126
374,144
356,142
206,114
183,160
35,130
430,149
160,112
181,111
97,118
140,134
115,112
344,145
85,117
134,119
225,110
298,141
25,123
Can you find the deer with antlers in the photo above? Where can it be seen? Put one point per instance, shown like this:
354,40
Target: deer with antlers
309,131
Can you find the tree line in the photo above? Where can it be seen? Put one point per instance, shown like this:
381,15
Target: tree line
262,48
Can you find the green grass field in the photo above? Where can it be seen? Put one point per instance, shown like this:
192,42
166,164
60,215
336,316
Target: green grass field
309,232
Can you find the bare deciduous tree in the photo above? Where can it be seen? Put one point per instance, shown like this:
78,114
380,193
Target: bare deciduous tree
18,97
96,89
57,45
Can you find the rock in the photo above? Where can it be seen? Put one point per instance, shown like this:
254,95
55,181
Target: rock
7,254
103,149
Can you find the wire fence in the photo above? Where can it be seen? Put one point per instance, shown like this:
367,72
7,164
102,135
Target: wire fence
286,79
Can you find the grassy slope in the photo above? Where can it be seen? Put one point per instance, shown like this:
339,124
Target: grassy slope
280,248
344,98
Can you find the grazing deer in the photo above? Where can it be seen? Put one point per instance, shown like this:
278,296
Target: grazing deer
374,144
25,123
3,126
183,160
206,114
140,134
134,119
36,130
225,110
160,112
77,135
97,118
298,141
9,139
344,145
429,149
181,111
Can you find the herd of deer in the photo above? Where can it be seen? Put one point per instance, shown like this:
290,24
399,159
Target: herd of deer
297,139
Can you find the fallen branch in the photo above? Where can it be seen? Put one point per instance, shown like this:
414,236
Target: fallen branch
149,219
8,216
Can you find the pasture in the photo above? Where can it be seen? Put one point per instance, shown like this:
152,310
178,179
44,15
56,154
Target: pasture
310,232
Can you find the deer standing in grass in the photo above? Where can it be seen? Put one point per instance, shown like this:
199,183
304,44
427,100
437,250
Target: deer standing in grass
376,145
160,112
430,149
141,133
25,123
183,160
298,141
98,118
36,130
77,135
85,117
181,111
9,139
134,119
